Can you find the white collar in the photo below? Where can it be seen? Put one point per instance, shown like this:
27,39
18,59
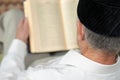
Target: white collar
74,58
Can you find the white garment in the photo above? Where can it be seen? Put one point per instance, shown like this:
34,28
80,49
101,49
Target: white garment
72,66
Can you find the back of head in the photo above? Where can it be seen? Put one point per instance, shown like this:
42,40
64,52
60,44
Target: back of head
101,19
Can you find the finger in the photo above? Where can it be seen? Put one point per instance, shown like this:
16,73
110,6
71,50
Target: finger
26,25
21,22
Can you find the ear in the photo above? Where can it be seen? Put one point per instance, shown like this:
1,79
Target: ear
80,31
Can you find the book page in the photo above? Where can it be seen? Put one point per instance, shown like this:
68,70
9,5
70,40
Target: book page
46,29
26,8
69,12
28,14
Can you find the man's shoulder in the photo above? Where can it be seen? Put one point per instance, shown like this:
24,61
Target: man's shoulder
50,69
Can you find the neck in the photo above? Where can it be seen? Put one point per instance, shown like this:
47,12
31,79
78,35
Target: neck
100,56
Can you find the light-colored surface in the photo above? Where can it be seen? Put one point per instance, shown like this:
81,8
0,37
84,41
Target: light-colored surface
48,21
69,16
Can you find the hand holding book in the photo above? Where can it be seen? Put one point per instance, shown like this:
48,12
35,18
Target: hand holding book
23,30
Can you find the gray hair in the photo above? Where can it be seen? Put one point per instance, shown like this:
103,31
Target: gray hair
109,44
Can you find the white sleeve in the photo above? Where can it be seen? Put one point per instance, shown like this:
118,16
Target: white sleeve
13,63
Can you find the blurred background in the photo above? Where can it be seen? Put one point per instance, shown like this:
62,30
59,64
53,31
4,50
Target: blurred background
6,5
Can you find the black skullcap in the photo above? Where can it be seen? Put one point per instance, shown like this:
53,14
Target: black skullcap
100,16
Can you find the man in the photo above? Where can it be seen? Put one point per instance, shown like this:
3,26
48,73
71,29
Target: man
98,36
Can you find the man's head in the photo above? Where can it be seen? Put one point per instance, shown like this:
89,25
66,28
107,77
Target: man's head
99,24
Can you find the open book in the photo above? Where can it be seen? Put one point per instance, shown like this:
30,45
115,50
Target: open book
52,24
